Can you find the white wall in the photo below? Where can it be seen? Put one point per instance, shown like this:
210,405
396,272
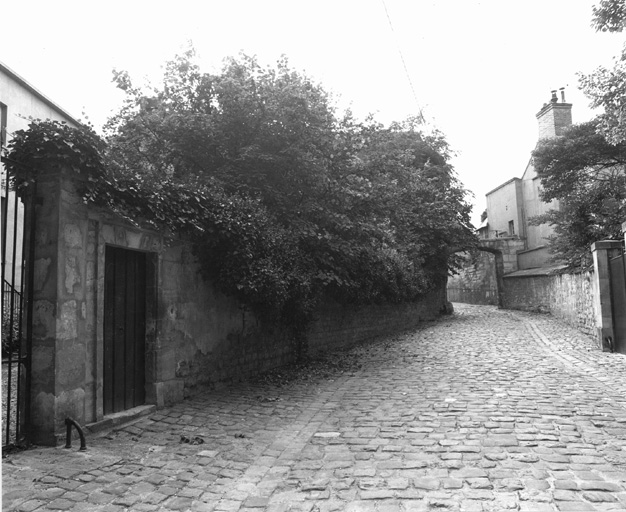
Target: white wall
23,103
536,236
503,206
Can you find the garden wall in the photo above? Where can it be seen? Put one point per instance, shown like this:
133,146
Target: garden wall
340,326
476,282
194,335
570,297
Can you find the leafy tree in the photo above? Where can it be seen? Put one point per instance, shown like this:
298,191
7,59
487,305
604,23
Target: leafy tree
264,132
606,87
584,169
588,175
285,201
609,16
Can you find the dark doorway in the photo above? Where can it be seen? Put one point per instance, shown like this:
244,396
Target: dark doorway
617,270
124,329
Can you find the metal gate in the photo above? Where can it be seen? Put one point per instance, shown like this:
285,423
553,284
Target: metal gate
617,273
124,329
17,266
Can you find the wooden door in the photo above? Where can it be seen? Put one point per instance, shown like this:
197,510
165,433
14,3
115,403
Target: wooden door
617,269
124,329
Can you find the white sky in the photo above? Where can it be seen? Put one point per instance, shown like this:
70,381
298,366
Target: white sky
481,70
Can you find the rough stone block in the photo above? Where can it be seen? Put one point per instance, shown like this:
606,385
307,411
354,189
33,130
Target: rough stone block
169,392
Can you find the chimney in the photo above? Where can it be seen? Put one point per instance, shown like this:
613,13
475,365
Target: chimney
554,117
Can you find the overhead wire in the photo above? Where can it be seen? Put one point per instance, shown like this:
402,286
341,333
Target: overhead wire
406,69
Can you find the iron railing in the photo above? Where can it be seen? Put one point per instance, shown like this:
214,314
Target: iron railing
17,244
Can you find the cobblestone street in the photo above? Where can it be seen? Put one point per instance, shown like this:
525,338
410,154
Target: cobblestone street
486,410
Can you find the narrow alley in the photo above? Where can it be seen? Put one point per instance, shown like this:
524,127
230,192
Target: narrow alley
485,410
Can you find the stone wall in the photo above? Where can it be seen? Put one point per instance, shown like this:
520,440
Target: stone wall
195,336
206,338
476,282
570,297
343,326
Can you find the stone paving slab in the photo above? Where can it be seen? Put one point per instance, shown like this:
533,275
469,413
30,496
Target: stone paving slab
486,410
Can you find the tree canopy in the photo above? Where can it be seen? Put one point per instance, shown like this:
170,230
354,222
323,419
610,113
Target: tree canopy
584,169
609,15
606,86
587,175
286,201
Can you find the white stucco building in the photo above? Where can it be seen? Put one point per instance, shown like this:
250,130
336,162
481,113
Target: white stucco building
19,103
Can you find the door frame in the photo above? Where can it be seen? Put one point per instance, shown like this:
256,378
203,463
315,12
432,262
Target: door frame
124,238
124,329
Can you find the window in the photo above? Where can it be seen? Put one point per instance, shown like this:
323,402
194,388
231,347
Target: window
511,228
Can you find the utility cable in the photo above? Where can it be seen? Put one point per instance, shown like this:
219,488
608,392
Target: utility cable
406,69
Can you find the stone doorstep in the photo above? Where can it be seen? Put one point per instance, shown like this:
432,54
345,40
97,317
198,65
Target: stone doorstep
110,421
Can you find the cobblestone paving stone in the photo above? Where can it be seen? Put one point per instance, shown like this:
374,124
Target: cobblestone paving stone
486,410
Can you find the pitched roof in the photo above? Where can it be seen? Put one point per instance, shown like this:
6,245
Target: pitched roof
12,74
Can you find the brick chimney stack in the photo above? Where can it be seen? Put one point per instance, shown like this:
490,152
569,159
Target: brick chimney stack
555,116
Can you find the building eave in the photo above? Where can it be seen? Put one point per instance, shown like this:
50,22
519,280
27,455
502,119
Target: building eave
503,185
38,94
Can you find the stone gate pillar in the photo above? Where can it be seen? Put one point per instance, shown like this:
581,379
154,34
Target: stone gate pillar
68,309
59,308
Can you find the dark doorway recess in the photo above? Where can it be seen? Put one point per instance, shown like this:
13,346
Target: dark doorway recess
617,272
124,329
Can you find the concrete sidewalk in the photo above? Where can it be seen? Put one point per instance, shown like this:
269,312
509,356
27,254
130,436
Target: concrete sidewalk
487,410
